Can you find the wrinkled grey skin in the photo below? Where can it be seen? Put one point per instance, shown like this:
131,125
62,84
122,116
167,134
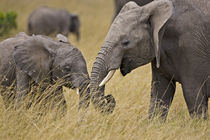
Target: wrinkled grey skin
7,67
46,21
36,59
203,5
175,38
120,3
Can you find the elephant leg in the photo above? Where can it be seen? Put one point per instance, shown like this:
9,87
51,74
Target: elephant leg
196,100
162,94
62,106
58,102
7,95
23,87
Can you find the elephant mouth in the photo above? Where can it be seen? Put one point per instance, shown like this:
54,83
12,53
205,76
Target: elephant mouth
124,71
79,89
130,63
125,66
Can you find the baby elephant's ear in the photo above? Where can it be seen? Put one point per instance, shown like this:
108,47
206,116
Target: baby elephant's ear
34,57
62,38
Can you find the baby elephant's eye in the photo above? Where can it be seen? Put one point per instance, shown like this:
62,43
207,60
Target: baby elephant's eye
125,42
67,67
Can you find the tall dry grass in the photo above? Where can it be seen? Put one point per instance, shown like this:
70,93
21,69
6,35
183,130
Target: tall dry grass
132,93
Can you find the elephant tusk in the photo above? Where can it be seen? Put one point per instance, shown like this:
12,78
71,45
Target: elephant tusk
77,90
107,78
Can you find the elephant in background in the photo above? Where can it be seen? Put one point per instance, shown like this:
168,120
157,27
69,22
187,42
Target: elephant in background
46,21
31,60
175,37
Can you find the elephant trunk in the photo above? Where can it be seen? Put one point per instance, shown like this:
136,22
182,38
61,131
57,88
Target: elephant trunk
104,104
84,95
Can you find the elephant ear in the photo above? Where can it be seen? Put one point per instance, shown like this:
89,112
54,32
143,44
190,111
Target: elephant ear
62,38
34,57
160,12
128,6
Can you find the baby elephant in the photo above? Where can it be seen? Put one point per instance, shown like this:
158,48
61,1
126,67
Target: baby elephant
40,59
46,21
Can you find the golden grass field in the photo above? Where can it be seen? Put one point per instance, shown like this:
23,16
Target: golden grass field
132,93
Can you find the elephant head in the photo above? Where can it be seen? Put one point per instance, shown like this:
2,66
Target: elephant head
120,3
75,25
41,57
134,39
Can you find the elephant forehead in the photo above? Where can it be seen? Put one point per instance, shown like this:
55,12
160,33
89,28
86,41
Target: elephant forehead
132,15
118,30
124,24
68,53
126,17
62,51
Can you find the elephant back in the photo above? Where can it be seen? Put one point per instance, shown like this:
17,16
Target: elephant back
7,67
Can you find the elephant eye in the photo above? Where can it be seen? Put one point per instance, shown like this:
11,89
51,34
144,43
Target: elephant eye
67,68
125,42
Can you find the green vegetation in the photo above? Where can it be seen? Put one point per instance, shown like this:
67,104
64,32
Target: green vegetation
132,93
7,22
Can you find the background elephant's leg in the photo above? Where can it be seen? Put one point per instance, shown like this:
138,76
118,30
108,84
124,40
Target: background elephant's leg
197,101
23,87
162,94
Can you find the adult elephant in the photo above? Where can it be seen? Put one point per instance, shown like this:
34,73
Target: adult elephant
46,21
31,60
172,35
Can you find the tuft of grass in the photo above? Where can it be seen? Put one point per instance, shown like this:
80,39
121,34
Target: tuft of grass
7,22
132,93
